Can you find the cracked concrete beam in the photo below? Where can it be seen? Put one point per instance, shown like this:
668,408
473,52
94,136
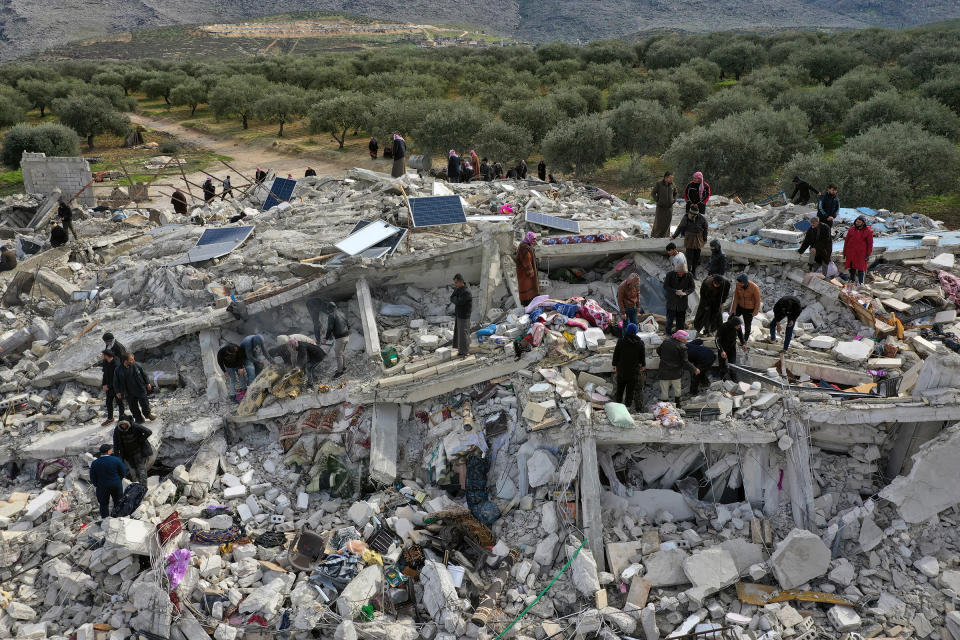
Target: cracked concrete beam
368,318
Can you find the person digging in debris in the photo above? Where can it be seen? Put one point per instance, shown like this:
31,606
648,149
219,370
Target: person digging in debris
857,248
308,358
664,194
677,287
828,206
819,239
65,213
801,191
58,236
209,191
8,259
131,444
693,228
630,365
179,202
337,329
130,381
728,335
718,260
788,307
374,147
399,156
528,280
232,359
628,298
250,355
673,361
114,345
702,358
462,301
697,193
110,364
106,474
747,301
714,291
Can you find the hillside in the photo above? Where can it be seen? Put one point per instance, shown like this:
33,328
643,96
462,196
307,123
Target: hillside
27,25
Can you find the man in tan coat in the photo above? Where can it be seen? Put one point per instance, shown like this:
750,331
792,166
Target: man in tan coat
664,194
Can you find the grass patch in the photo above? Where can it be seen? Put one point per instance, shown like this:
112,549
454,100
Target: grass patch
945,208
11,182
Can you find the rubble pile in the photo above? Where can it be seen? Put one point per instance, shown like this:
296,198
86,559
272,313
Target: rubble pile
432,494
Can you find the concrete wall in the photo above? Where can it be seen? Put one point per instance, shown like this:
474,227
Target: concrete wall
42,175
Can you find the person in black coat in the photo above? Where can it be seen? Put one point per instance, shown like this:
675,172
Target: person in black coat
462,301
677,287
702,358
65,213
373,147
131,444
58,236
486,171
130,381
542,171
789,308
309,356
728,335
801,191
453,167
8,259
106,474
828,206
337,329
309,172
110,364
629,362
209,191
718,260
120,351
819,238
714,291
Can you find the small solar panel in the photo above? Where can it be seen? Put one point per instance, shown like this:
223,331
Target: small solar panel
542,219
366,237
214,243
281,191
436,211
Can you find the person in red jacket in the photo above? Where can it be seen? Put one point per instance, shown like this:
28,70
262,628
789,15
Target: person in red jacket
857,247
697,193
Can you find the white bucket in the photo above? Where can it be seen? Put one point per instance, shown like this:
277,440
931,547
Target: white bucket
456,572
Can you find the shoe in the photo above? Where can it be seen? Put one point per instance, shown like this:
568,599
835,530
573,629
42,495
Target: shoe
106,422
339,373
150,416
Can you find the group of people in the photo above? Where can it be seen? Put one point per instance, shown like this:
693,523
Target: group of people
210,191
664,194
470,167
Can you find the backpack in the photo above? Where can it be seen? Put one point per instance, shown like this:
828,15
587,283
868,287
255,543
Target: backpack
131,499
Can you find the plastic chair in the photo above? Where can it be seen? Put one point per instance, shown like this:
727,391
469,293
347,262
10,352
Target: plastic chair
306,550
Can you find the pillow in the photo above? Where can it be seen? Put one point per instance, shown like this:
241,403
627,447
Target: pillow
619,415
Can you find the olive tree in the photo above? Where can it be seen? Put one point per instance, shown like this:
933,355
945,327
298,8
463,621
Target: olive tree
945,87
190,93
579,144
892,106
737,58
339,114
729,102
50,138
644,127
508,143
536,116
862,180
90,116
825,106
13,106
286,102
452,126
236,95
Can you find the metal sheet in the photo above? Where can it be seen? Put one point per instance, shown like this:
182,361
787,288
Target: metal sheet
436,211
281,191
366,237
214,243
553,222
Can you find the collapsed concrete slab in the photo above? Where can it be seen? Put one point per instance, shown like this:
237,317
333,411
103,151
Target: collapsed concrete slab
931,485
799,558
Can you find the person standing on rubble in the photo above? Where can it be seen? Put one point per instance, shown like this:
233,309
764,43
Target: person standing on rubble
693,228
466,170
131,381
453,167
747,301
801,191
828,206
261,175
664,194
8,259
628,298
209,191
718,259
399,156
462,301
819,239
114,345
674,360
788,307
728,335
486,171
528,279
110,364
107,472
630,365
337,330
65,213
697,193
227,189
542,171
677,287
522,170
132,445
179,202
714,291
857,248
374,147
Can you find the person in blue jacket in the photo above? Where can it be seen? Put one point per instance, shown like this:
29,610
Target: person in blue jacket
106,474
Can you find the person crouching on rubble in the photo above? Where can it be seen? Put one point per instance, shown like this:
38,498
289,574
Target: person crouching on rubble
308,357
628,298
674,359
630,365
728,335
702,358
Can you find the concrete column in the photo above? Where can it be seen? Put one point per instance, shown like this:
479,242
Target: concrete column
383,442
217,390
490,278
368,317
801,480
590,498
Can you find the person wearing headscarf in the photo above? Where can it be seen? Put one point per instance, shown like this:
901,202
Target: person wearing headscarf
697,193
475,163
718,260
714,291
453,167
528,279
664,194
629,361
261,175
747,301
542,171
857,248
677,287
466,171
209,191
674,360
179,202
374,147
399,156
628,298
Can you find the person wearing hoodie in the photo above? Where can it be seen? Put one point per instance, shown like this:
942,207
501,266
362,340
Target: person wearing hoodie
718,259
453,167
828,206
857,248
693,228
697,193
819,239
629,362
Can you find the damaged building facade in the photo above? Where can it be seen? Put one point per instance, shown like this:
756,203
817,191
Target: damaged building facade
422,495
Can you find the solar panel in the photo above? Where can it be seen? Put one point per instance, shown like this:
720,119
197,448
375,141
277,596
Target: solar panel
281,191
366,237
437,210
372,252
542,219
214,243
385,247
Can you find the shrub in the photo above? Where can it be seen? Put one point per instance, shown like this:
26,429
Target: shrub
580,144
455,125
945,87
861,180
644,127
508,143
825,106
13,106
737,58
668,53
863,83
891,106
729,102
50,138
169,147
828,62
536,116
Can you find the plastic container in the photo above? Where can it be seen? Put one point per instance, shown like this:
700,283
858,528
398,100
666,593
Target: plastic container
390,357
456,572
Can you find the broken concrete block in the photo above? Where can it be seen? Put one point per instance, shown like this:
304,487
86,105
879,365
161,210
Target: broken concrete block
40,505
665,568
789,617
20,611
439,591
853,350
713,569
932,483
266,599
546,550
584,570
360,513
127,533
843,619
870,534
942,261
799,558
234,492
534,412
541,468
